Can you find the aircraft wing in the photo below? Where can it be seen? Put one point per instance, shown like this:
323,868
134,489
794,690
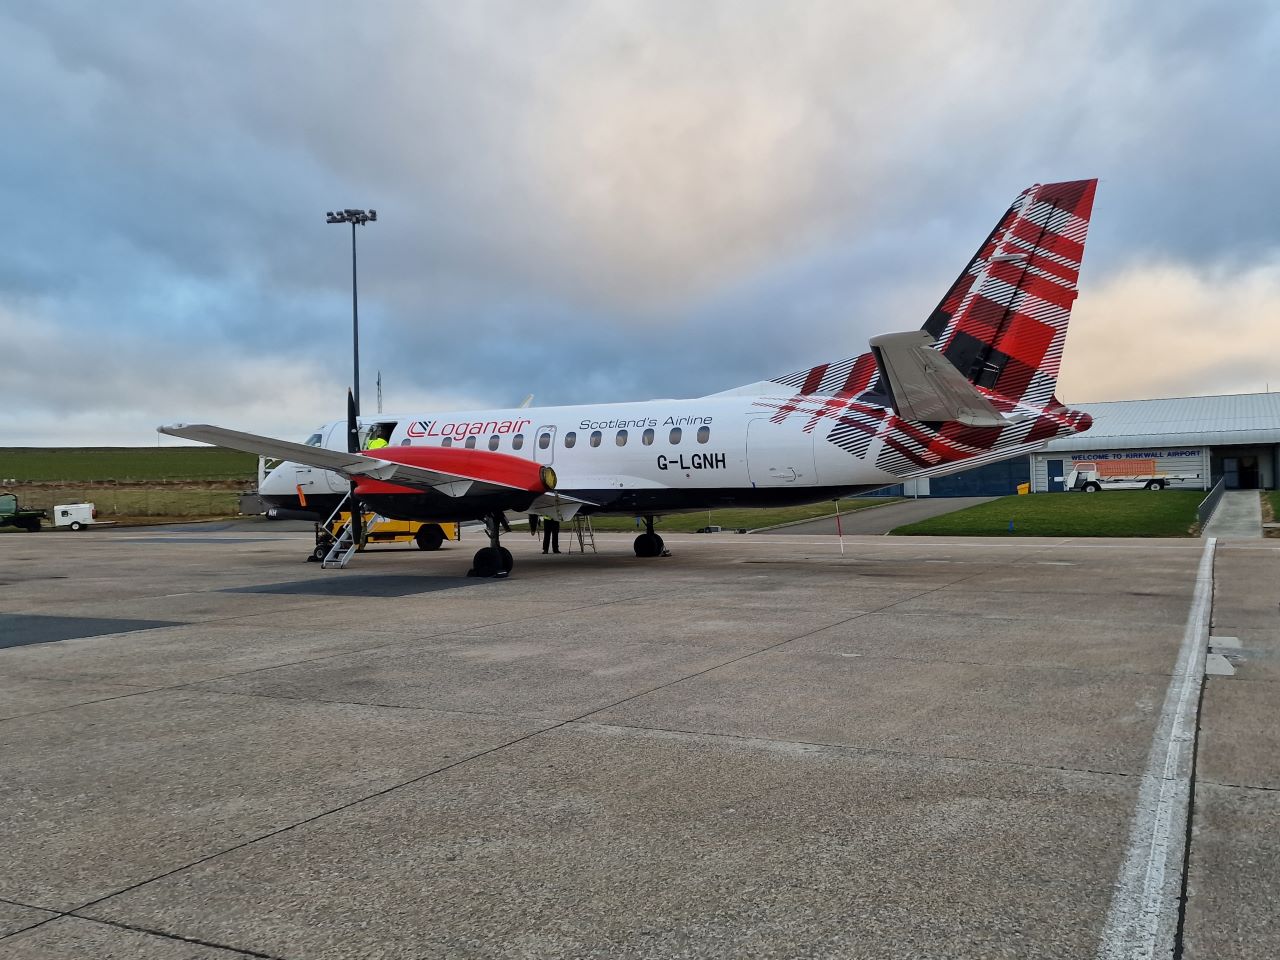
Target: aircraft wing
351,465
924,385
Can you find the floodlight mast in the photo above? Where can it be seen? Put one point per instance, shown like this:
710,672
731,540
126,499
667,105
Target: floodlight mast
355,218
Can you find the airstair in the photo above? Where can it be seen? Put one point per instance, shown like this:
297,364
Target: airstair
345,543
583,533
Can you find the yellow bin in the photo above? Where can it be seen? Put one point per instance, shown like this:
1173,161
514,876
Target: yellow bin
1024,488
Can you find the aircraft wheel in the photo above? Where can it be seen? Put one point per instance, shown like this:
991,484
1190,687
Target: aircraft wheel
648,545
429,537
508,561
487,562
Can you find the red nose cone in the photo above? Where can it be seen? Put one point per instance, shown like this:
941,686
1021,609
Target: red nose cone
1084,422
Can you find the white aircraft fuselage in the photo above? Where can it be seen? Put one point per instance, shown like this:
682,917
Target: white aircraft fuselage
649,457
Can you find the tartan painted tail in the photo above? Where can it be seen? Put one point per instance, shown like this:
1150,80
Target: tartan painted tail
1003,323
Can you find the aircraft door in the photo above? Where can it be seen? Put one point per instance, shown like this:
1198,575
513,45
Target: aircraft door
335,439
780,454
544,445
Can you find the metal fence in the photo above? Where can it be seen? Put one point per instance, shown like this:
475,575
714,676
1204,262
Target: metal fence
1210,503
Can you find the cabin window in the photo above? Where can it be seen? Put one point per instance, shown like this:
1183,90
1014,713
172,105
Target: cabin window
595,438
621,439
544,441
493,442
647,437
517,442
447,442
405,442
704,434
471,443
570,439
675,434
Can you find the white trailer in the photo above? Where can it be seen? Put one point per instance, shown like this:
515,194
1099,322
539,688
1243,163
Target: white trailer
1092,477
74,516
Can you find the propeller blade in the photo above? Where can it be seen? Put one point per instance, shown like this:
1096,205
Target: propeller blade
353,428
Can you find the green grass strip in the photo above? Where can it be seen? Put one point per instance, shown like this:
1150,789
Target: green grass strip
1111,513
734,519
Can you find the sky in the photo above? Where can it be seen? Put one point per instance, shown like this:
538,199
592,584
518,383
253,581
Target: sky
599,201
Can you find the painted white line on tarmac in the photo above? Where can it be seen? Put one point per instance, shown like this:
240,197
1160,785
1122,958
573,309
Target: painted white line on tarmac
1143,918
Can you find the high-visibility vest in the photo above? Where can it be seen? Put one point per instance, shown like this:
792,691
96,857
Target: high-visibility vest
375,444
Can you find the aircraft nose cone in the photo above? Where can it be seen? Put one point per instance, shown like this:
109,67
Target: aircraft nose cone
1084,422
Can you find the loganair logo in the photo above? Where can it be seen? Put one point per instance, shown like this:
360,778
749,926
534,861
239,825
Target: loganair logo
464,428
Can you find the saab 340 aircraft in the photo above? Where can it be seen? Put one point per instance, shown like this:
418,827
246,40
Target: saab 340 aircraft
975,385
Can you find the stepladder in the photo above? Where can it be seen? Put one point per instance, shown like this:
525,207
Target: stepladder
583,534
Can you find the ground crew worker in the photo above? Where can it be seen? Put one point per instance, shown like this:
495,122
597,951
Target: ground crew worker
550,534
376,440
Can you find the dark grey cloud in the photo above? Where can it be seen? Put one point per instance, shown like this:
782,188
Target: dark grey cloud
579,200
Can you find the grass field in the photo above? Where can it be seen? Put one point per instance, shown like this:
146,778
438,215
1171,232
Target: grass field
735,519
124,464
126,503
1115,513
1274,497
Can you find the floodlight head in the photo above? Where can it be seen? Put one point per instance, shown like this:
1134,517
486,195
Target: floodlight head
373,214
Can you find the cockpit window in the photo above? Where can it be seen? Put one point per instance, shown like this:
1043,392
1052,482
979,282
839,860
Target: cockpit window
315,440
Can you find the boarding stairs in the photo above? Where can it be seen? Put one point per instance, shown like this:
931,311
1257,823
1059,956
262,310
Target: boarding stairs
583,533
345,544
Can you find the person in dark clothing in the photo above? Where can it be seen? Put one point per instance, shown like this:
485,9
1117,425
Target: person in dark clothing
550,535
533,524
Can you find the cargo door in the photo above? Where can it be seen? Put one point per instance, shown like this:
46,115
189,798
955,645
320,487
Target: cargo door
780,454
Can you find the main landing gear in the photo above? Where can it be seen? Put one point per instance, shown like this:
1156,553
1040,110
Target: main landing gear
494,560
648,544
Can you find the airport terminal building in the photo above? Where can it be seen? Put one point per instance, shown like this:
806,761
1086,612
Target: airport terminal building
1200,439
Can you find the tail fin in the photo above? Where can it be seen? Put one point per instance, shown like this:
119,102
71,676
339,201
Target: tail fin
1004,321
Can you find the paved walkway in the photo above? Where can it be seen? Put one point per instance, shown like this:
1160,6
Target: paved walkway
879,520
1238,517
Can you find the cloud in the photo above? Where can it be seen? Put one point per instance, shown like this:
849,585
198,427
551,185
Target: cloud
583,200
1167,329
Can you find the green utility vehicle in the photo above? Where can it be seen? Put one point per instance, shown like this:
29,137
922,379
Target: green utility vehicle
11,515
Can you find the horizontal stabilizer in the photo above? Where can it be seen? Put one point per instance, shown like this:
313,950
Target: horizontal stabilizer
924,385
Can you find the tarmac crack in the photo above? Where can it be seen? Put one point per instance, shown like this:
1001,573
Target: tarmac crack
854,748
1239,786
63,914
242,951
387,706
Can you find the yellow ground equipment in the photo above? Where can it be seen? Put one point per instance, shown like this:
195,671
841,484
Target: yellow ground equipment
379,529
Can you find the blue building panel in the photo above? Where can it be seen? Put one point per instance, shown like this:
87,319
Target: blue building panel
992,480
